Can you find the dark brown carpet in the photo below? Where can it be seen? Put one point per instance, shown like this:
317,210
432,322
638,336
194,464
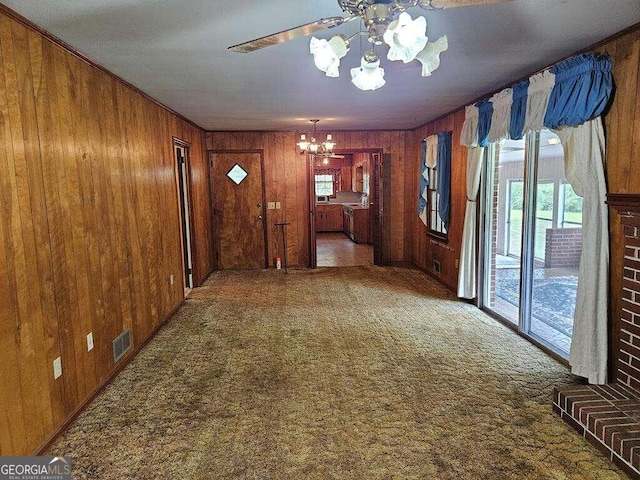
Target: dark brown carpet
343,373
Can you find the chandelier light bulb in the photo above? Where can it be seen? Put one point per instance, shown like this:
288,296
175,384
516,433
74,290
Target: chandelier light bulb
303,144
328,144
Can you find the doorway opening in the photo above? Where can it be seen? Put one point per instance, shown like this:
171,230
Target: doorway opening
182,158
346,216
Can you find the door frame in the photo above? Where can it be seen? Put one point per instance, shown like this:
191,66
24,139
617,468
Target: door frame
507,213
377,200
214,223
522,324
189,250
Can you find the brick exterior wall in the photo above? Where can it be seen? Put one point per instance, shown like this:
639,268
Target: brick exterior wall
563,247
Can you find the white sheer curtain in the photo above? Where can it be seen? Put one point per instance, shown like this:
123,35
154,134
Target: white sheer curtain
469,134
469,138
467,272
501,118
540,86
432,151
584,148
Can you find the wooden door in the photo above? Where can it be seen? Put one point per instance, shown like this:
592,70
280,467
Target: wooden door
237,184
182,151
377,200
311,202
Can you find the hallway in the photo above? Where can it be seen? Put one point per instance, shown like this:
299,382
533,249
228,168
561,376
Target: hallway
335,249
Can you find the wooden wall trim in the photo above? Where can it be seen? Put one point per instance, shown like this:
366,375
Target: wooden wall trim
624,202
68,48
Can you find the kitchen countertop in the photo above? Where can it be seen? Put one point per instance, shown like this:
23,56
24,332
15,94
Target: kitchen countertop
344,204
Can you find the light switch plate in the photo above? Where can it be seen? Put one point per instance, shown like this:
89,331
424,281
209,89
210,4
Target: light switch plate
170,279
271,205
57,368
277,205
89,342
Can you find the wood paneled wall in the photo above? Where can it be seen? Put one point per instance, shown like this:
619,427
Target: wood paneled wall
424,249
89,224
286,182
622,127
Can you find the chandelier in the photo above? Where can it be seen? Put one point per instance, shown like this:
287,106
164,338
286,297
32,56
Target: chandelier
312,147
406,38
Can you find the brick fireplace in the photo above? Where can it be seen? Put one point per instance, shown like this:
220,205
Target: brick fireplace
609,415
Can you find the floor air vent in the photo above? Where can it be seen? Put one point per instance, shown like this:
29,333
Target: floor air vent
121,345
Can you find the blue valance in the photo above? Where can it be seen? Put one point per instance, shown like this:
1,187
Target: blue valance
581,92
518,109
444,175
485,112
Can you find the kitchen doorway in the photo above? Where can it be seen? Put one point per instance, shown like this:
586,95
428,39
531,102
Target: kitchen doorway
345,227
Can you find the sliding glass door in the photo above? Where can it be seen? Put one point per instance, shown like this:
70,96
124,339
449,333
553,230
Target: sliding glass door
532,239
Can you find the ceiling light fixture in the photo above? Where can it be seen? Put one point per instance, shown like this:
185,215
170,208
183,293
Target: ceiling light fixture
327,54
313,147
369,76
406,37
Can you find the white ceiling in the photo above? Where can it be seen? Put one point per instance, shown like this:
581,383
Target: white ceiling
176,51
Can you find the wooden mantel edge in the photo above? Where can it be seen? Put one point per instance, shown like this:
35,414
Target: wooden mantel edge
624,202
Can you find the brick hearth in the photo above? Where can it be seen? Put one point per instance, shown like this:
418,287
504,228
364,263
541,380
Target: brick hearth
609,415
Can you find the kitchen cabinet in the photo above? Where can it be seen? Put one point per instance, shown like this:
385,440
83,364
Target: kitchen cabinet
345,178
356,223
361,173
358,179
329,218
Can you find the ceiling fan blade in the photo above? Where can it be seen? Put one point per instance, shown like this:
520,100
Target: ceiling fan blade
286,35
435,4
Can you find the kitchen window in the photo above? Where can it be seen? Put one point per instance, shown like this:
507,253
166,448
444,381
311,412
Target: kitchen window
324,185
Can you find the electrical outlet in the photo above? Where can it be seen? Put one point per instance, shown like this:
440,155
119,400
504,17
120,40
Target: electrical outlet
90,341
57,368
170,279
457,262
277,205
271,205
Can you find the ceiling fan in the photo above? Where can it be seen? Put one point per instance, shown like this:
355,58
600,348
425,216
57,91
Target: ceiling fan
376,15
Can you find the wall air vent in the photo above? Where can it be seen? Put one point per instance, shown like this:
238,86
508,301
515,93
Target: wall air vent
121,345
436,266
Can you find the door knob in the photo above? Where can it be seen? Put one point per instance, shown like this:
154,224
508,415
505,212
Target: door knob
259,217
